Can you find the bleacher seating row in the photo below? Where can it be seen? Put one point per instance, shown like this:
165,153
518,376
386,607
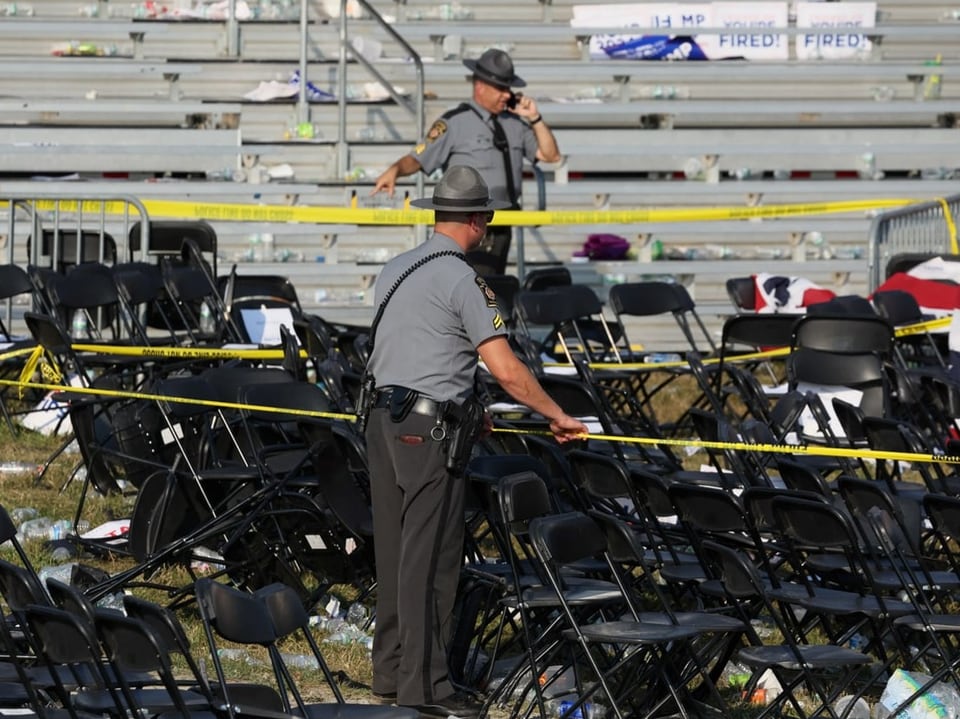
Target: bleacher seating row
166,100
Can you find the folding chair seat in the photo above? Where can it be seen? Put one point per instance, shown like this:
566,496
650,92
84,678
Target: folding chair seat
845,602
172,637
826,671
719,632
640,668
942,512
264,619
869,503
515,501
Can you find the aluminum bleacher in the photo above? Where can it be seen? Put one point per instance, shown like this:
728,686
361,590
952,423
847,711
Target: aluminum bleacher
167,100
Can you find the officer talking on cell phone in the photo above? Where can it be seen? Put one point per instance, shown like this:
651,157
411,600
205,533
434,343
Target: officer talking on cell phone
494,132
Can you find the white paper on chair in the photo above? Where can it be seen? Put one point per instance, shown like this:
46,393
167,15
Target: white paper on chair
826,394
263,324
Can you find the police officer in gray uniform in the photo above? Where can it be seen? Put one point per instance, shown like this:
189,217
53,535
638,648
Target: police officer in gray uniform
435,316
494,132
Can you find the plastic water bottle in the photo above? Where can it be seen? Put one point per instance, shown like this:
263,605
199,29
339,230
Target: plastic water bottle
60,529
22,514
356,614
36,528
78,325
206,318
18,468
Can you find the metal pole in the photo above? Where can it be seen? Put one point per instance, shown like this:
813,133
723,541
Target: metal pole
303,108
342,149
233,30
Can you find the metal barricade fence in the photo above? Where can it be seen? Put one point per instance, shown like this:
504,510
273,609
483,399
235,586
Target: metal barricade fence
926,228
57,231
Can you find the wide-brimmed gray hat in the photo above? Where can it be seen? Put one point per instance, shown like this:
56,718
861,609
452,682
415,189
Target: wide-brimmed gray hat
461,189
495,67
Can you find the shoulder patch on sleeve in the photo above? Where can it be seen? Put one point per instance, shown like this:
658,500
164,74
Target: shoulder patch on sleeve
488,294
497,321
436,131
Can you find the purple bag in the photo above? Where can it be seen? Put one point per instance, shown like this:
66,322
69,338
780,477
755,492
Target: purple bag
604,247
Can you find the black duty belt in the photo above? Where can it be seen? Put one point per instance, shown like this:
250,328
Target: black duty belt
423,405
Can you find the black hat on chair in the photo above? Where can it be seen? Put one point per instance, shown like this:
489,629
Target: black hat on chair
461,189
495,67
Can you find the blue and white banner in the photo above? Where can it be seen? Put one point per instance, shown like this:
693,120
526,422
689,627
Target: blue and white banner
848,18
679,39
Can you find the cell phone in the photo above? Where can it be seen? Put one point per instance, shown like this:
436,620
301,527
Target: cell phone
514,99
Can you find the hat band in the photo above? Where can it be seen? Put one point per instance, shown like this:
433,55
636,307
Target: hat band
450,202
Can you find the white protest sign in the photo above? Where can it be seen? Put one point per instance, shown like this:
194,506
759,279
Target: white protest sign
744,41
847,17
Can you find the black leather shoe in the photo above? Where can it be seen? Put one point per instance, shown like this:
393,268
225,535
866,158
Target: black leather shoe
459,706
386,697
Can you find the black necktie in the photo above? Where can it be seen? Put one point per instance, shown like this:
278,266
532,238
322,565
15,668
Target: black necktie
500,142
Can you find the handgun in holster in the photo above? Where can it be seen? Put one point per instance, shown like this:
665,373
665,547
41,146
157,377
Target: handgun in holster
368,394
463,425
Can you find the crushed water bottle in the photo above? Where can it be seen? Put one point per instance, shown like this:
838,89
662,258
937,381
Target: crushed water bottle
305,661
18,468
19,515
36,528
356,614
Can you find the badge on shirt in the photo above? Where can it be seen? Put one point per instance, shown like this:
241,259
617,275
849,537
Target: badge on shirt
488,294
436,131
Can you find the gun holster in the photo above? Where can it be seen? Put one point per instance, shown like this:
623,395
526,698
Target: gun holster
463,424
368,395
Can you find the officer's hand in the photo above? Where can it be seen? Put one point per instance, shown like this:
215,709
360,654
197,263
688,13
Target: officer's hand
566,428
526,108
385,183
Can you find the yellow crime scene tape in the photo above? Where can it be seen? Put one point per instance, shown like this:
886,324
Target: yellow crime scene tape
519,218
183,352
807,449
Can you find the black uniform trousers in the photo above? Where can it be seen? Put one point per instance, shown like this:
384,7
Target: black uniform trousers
418,531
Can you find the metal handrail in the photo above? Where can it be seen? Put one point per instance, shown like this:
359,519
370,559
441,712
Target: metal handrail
418,103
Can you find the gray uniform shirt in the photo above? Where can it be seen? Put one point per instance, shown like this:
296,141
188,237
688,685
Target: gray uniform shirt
429,332
463,136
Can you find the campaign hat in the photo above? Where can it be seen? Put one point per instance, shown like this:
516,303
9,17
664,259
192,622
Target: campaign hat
496,68
461,189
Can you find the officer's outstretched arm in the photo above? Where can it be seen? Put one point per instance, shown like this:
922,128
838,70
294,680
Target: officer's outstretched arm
520,384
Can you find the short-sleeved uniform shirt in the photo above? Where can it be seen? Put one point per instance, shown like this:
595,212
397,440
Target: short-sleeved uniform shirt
428,334
464,136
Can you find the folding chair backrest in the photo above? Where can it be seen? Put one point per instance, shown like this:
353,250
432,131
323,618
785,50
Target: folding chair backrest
20,588
543,277
567,538
523,497
235,615
843,305
742,292
647,299
74,247
898,307
843,334
814,524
